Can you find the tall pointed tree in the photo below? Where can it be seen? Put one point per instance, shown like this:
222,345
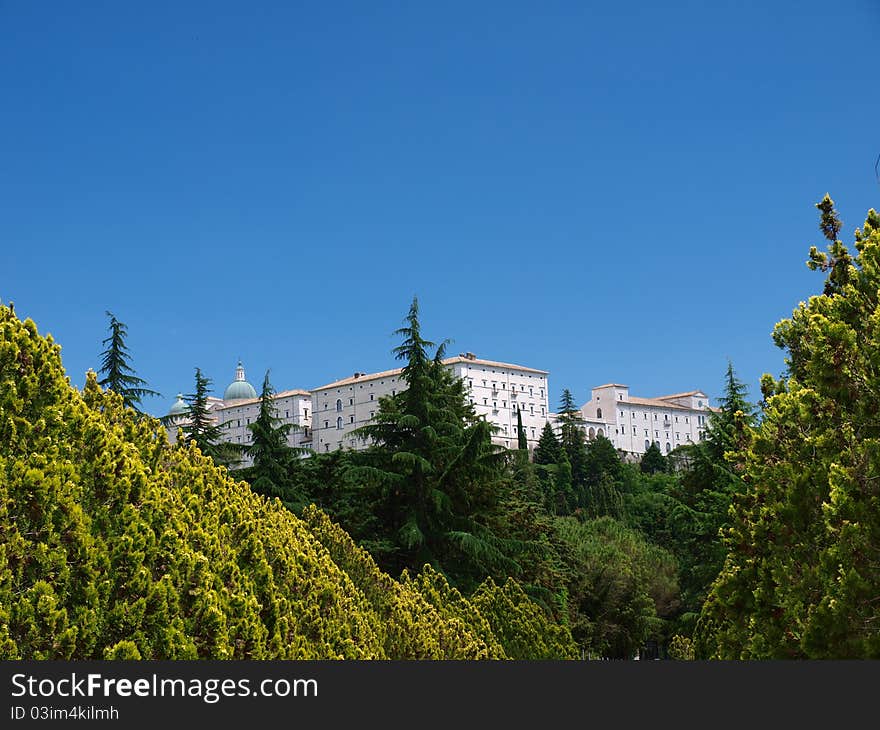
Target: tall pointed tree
521,439
571,436
548,450
118,374
274,459
201,426
434,477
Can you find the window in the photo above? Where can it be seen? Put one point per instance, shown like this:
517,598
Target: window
504,404
371,396
287,414
339,423
351,419
485,402
530,392
326,424
620,396
372,413
647,444
495,404
325,406
533,433
238,422
306,413
542,411
634,430
351,401
542,392
598,413
699,404
531,410
668,447
338,404
326,447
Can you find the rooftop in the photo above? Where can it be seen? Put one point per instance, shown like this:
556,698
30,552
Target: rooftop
468,358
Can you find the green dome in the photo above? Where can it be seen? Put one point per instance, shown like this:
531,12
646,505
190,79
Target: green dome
180,407
239,389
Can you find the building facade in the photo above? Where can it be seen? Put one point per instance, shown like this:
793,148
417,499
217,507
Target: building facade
240,407
495,389
633,423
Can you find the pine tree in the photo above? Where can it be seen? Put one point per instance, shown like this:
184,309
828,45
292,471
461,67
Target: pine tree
275,461
522,441
653,461
434,477
119,376
201,427
802,575
548,450
572,438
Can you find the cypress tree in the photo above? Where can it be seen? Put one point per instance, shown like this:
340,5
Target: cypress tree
119,375
572,438
522,441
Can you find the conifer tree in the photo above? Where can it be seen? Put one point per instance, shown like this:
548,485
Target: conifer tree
653,461
119,375
275,461
548,450
434,476
202,428
801,575
522,441
572,438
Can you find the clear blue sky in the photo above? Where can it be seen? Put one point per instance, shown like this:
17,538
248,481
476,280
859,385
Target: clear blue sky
608,191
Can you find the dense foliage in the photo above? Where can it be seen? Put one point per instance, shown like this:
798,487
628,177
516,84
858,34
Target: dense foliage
802,575
114,543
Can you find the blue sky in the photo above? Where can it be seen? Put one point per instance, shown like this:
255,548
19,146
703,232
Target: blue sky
608,191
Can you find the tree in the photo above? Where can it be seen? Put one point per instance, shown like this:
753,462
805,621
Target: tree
119,375
802,571
275,461
548,450
117,545
522,441
653,460
433,479
571,437
201,427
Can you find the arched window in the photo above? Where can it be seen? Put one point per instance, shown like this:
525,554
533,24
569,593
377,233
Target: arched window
338,405
339,423
592,433
647,444
668,447
598,413
600,432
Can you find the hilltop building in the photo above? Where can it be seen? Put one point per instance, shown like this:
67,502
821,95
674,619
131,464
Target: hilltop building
633,423
495,389
240,406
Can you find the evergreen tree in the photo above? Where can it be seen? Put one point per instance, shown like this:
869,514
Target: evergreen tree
119,375
653,461
434,478
275,461
572,438
802,575
118,546
202,428
522,441
548,450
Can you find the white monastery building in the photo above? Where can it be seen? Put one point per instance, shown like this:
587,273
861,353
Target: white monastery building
325,418
496,390
240,407
633,423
